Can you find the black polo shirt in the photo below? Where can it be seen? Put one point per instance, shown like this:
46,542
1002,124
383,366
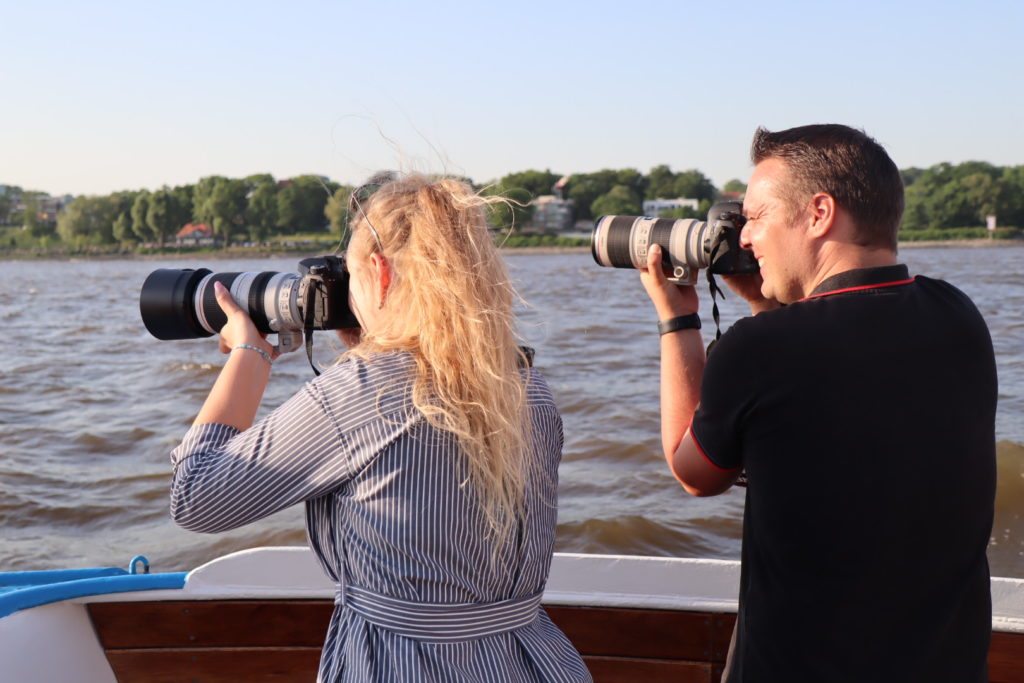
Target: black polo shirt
864,416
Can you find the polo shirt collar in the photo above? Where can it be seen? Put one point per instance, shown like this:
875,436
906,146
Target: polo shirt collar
863,278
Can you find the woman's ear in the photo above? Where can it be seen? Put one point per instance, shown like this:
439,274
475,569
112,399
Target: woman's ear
381,274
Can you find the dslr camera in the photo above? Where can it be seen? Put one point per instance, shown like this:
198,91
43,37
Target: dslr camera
180,304
687,245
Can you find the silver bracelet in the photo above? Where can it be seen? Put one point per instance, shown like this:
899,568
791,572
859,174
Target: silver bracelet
266,356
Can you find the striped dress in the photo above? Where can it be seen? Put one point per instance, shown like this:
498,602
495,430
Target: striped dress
423,595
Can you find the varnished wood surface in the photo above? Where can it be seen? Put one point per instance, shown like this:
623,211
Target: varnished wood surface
217,623
278,641
215,665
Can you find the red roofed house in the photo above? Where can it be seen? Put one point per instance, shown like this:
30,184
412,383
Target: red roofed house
196,233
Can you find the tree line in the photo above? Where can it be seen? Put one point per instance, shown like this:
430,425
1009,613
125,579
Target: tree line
607,192
250,209
947,196
256,207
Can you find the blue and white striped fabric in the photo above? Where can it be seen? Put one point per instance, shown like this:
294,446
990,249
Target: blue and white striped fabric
423,595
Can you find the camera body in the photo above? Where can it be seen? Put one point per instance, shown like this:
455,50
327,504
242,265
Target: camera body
687,244
323,293
181,304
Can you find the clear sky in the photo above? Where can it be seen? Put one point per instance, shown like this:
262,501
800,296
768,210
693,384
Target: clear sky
106,96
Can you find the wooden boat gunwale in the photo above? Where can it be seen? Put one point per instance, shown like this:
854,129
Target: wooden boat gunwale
657,618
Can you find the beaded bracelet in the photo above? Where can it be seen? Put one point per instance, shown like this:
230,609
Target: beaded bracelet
266,356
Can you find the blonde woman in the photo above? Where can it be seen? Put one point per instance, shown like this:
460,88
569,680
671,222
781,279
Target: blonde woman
427,457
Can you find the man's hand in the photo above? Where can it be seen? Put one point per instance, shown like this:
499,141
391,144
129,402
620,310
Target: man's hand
670,300
748,286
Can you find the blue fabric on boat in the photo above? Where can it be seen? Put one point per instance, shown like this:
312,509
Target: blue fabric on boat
56,586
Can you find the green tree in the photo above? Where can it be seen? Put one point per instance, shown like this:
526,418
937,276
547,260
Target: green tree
585,188
139,212
261,211
87,219
289,210
984,193
226,206
33,220
181,206
1011,210
336,209
536,183
735,185
201,195
620,200
256,179
122,228
660,182
633,179
693,184
910,175
122,208
161,215
220,203
301,202
512,213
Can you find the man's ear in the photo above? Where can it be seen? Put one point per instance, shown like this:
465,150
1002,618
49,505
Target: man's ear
822,208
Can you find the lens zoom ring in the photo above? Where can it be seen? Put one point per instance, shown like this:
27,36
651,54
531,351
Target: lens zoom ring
619,233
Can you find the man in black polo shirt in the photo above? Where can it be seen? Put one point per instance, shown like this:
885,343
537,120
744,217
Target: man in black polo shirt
863,414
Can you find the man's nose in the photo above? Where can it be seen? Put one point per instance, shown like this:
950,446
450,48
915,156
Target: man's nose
745,242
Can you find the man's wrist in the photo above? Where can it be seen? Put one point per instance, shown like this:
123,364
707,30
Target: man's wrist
690,321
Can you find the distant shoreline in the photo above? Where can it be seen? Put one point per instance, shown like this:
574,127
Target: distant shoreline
982,243
301,253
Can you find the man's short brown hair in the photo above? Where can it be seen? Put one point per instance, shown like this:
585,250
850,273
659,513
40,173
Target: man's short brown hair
845,163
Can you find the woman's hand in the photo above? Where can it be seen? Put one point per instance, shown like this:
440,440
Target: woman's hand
670,300
239,329
236,394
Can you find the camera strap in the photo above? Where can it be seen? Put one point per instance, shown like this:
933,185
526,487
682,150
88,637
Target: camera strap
309,315
716,292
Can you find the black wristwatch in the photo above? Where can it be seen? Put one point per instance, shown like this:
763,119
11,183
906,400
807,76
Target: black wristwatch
682,322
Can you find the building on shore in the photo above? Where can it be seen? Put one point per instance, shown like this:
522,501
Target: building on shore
551,213
198,234
654,207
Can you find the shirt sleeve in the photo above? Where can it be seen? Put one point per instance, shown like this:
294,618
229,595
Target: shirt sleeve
725,399
224,478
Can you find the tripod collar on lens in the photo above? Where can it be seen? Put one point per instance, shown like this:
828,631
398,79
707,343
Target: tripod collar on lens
287,340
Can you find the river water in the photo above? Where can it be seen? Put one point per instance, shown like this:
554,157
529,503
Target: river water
91,405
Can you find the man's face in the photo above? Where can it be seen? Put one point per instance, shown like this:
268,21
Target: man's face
775,237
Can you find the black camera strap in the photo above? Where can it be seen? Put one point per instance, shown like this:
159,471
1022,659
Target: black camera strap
309,316
716,292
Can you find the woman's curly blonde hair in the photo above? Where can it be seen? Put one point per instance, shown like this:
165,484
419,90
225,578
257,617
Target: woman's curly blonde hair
451,301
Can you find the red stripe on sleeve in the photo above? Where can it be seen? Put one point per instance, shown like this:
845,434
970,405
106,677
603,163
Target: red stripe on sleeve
700,449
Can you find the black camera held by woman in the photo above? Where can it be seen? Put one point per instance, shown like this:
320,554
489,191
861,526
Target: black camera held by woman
180,304
687,245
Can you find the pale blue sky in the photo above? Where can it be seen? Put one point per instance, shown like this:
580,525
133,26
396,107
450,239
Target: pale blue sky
125,95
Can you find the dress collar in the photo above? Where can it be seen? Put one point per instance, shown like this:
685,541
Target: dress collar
863,278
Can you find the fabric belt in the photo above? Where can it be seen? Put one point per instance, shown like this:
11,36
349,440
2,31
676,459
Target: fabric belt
442,623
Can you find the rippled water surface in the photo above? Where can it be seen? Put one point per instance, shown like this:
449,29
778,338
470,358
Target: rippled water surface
91,405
